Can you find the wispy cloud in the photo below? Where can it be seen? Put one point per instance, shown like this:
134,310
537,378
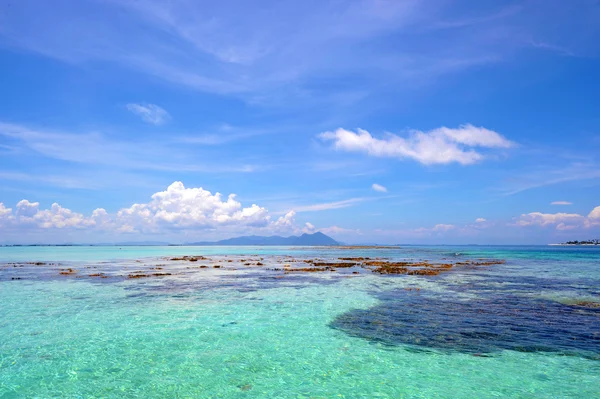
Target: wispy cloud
150,113
552,47
330,205
379,188
561,203
438,146
224,134
98,149
51,180
336,230
281,48
549,176
441,227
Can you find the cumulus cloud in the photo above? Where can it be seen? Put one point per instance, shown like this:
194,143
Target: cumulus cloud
439,146
5,212
379,187
178,208
561,221
561,203
29,214
150,113
59,217
595,213
288,220
181,207
443,227
545,219
309,228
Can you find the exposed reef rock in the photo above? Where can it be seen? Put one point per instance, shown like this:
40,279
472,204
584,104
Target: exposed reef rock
190,258
148,275
285,265
588,304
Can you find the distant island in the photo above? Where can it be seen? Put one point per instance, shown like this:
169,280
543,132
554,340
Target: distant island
315,239
587,242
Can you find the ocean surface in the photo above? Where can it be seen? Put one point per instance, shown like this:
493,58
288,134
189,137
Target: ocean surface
250,322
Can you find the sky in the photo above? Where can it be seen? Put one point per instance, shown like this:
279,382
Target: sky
372,121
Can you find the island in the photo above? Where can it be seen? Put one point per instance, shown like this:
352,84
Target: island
315,239
585,242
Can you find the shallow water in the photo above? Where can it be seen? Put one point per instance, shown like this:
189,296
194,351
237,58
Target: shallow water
525,329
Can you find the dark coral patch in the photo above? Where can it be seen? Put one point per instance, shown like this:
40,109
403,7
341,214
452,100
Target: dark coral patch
504,322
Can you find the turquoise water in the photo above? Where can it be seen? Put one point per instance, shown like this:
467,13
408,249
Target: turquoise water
256,333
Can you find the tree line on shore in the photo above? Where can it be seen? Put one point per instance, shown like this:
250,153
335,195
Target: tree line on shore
587,242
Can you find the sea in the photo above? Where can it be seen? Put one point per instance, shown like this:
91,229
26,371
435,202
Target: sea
250,322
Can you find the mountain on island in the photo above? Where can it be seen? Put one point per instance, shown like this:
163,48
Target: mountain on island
315,239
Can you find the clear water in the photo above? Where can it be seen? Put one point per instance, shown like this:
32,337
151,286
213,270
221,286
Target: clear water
253,333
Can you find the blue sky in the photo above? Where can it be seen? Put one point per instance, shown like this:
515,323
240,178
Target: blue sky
374,121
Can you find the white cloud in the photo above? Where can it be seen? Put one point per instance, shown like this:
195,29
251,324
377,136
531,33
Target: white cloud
561,203
66,181
5,212
28,213
177,209
595,213
26,208
150,113
227,48
329,205
378,187
126,228
480,220
438,228
59,217
562,221
180,207
443,227
221,47
543,176
593,218
288,220
99,149
338,230
545,219
438,146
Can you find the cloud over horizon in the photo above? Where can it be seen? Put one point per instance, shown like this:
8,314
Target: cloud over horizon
176,209
561,221
179,209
